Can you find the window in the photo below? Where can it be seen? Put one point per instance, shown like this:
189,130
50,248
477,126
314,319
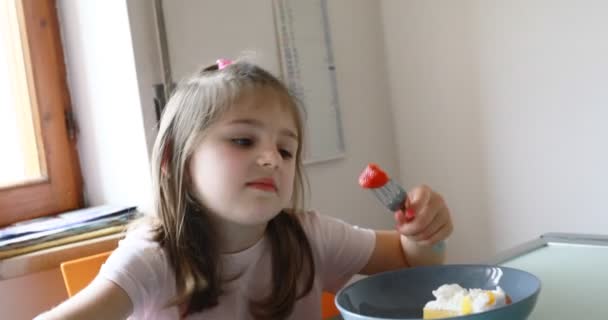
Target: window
39,172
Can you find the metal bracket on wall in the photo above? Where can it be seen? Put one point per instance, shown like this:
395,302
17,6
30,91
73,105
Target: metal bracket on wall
162,91
159,99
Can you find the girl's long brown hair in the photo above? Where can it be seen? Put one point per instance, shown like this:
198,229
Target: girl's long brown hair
183,227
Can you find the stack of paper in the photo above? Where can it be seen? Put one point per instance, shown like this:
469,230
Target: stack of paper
45,232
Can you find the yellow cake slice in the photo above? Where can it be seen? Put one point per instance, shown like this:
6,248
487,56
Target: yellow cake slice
438,314
452,300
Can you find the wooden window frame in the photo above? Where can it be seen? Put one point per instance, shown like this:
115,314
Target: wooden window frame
61,189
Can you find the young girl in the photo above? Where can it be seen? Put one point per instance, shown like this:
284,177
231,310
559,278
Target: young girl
229,239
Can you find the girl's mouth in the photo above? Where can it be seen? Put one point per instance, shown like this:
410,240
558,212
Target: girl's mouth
263,184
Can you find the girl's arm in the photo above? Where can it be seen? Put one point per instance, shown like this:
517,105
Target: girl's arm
412,243
102,299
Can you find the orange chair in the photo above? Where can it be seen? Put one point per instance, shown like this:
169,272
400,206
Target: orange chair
78,273
328,307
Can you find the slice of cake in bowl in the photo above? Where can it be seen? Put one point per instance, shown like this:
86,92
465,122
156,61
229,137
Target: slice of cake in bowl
452,300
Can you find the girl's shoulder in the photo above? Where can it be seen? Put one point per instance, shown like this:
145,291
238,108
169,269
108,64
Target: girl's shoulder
310,220
313,219
307,216
142,232
322,227
140,267
340,248
139,247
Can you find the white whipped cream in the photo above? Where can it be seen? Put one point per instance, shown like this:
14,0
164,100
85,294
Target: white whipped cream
455,298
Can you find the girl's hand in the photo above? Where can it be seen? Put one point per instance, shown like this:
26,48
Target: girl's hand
427,218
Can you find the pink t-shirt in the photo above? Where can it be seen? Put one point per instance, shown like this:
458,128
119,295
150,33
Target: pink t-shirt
140,267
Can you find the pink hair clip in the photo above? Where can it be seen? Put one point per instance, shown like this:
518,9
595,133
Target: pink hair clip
223,63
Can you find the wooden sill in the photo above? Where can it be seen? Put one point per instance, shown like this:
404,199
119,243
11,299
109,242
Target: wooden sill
53,257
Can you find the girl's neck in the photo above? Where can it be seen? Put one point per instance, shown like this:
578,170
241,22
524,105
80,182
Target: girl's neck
235,238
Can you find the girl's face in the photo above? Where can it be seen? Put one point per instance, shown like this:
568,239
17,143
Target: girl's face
243,168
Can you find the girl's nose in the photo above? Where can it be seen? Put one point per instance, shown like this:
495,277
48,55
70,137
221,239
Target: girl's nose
269,159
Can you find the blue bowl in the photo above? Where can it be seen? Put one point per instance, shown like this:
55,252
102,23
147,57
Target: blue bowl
403,293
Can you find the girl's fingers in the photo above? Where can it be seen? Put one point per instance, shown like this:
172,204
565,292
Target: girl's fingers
431,223
441,234
418,197
424,218
421,221
439,221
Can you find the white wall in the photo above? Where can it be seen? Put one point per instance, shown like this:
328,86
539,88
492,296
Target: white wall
356,33
147,62
501,105
105,97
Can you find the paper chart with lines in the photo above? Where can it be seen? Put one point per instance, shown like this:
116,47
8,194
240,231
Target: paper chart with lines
308,70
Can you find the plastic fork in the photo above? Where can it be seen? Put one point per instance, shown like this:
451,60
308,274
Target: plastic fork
391,195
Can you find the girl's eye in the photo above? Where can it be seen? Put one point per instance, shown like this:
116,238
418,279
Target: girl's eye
285,154
243,142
